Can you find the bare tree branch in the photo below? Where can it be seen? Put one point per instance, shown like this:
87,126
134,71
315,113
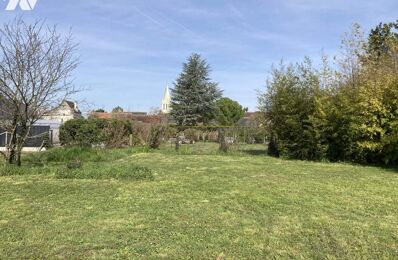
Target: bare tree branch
36,64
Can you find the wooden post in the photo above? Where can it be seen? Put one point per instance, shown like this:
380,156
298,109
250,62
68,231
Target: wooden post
178,143
131,140
223,143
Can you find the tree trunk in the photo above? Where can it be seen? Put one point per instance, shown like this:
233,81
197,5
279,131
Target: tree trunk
11,147
178,144
25,131
18,157
11,157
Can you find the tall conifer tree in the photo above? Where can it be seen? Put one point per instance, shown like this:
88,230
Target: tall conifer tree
194,95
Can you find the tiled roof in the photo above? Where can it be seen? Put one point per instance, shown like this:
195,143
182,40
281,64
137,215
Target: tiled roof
72,105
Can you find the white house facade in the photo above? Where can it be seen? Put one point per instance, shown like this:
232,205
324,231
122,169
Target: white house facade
67,111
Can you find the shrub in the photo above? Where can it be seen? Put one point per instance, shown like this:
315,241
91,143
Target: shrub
142,133
113,133
75,164
47,142
157,134
192,134
82,132
170,132
117,133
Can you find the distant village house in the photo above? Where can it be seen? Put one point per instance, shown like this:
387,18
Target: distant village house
68,110
142,117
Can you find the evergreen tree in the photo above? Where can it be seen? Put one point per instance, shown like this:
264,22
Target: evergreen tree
230,112
118,109
194,95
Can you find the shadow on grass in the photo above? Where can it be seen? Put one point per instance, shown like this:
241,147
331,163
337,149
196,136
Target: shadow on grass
255,152
390,168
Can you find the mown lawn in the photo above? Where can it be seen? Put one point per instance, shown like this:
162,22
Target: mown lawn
201,205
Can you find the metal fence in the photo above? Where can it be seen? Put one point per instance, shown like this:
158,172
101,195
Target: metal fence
35,139
4,138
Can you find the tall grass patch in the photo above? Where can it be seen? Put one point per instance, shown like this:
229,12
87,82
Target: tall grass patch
121,170
13,170
84,154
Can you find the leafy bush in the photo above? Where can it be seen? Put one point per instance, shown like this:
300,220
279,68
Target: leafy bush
192,134
47,142
117,133
390,146
113,133
117,170
157,135
82,132
295,105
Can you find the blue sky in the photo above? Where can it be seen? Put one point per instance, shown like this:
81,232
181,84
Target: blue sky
129,50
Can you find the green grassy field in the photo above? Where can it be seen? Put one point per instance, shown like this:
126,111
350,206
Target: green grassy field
198,204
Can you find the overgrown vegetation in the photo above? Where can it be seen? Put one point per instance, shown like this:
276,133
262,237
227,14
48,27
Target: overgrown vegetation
348,114
112,133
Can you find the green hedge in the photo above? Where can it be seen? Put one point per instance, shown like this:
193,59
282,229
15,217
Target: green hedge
113,133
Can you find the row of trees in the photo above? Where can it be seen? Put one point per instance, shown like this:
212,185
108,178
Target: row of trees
345,112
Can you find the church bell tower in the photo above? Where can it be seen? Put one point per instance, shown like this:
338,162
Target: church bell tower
166,101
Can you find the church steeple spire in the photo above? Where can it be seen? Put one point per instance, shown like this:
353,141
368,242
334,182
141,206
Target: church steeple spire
166,101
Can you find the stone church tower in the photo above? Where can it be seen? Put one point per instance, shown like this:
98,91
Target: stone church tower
166,101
